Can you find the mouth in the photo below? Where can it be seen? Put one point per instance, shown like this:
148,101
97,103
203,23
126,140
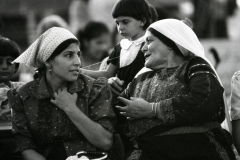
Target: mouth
75,71
4,74
146,57
123,34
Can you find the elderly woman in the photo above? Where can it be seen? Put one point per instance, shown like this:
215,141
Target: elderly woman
62,112
175,111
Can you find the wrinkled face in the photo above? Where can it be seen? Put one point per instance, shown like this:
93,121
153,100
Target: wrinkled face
98,47
129,27
65,66
155,51
7,69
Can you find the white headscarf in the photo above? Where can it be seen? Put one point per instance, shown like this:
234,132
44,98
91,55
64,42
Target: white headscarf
188,43
41,49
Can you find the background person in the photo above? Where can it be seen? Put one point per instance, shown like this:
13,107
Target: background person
9,50
95,44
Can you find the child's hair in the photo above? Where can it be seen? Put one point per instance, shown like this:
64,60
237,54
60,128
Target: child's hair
9,48
138,9
154,13
90,31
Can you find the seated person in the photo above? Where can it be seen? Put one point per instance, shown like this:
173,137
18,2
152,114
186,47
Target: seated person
8,52
175,111
61,112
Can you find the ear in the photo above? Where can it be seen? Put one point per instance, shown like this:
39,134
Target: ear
143,22
48,65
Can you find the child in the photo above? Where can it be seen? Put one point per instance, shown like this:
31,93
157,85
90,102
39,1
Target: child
95,43
8,52
132,18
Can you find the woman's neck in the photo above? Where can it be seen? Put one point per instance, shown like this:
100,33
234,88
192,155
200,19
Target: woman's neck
175,60
55,83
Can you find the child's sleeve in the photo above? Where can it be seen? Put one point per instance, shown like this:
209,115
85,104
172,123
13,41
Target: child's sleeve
114,56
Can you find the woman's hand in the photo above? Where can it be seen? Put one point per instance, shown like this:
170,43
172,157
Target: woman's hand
135,108
116,85
64,100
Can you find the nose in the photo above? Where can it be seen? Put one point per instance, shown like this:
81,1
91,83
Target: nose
4,65
120,27
77,61
144,48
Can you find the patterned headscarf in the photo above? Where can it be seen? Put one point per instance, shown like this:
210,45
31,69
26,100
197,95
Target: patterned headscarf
37,54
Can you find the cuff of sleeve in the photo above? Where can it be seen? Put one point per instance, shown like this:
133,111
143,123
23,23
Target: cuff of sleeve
166,111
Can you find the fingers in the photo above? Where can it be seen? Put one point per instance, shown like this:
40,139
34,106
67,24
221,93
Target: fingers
124,100
121,109
115,83
118,81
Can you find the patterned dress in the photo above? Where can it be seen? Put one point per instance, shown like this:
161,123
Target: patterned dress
38,124
190,100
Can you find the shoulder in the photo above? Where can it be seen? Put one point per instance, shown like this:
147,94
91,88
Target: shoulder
16,85
90,83
27,89
198,65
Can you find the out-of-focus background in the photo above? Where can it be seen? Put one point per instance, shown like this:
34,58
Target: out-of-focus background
216,23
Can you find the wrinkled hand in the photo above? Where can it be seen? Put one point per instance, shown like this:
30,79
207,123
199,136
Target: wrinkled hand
64,100
135,108
116,85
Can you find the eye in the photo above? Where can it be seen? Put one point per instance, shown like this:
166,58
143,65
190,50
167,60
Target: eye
69,55
117,23
9,61
148,41
125,22
79,54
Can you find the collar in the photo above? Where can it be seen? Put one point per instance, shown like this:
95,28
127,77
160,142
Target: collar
43,89
126,43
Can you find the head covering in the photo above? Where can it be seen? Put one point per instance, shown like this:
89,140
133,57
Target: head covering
188,43
41,49
181,34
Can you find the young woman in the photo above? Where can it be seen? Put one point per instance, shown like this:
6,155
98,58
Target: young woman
55,115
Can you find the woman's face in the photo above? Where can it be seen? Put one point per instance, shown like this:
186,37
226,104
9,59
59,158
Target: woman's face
155,51
7,69
65,66
98,47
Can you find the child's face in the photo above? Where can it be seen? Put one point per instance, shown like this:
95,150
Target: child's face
129,27
7,69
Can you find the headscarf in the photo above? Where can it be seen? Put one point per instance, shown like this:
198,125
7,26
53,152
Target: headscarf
188,43
41,49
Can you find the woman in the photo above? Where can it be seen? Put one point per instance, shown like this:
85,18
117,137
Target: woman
55,115
175,110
